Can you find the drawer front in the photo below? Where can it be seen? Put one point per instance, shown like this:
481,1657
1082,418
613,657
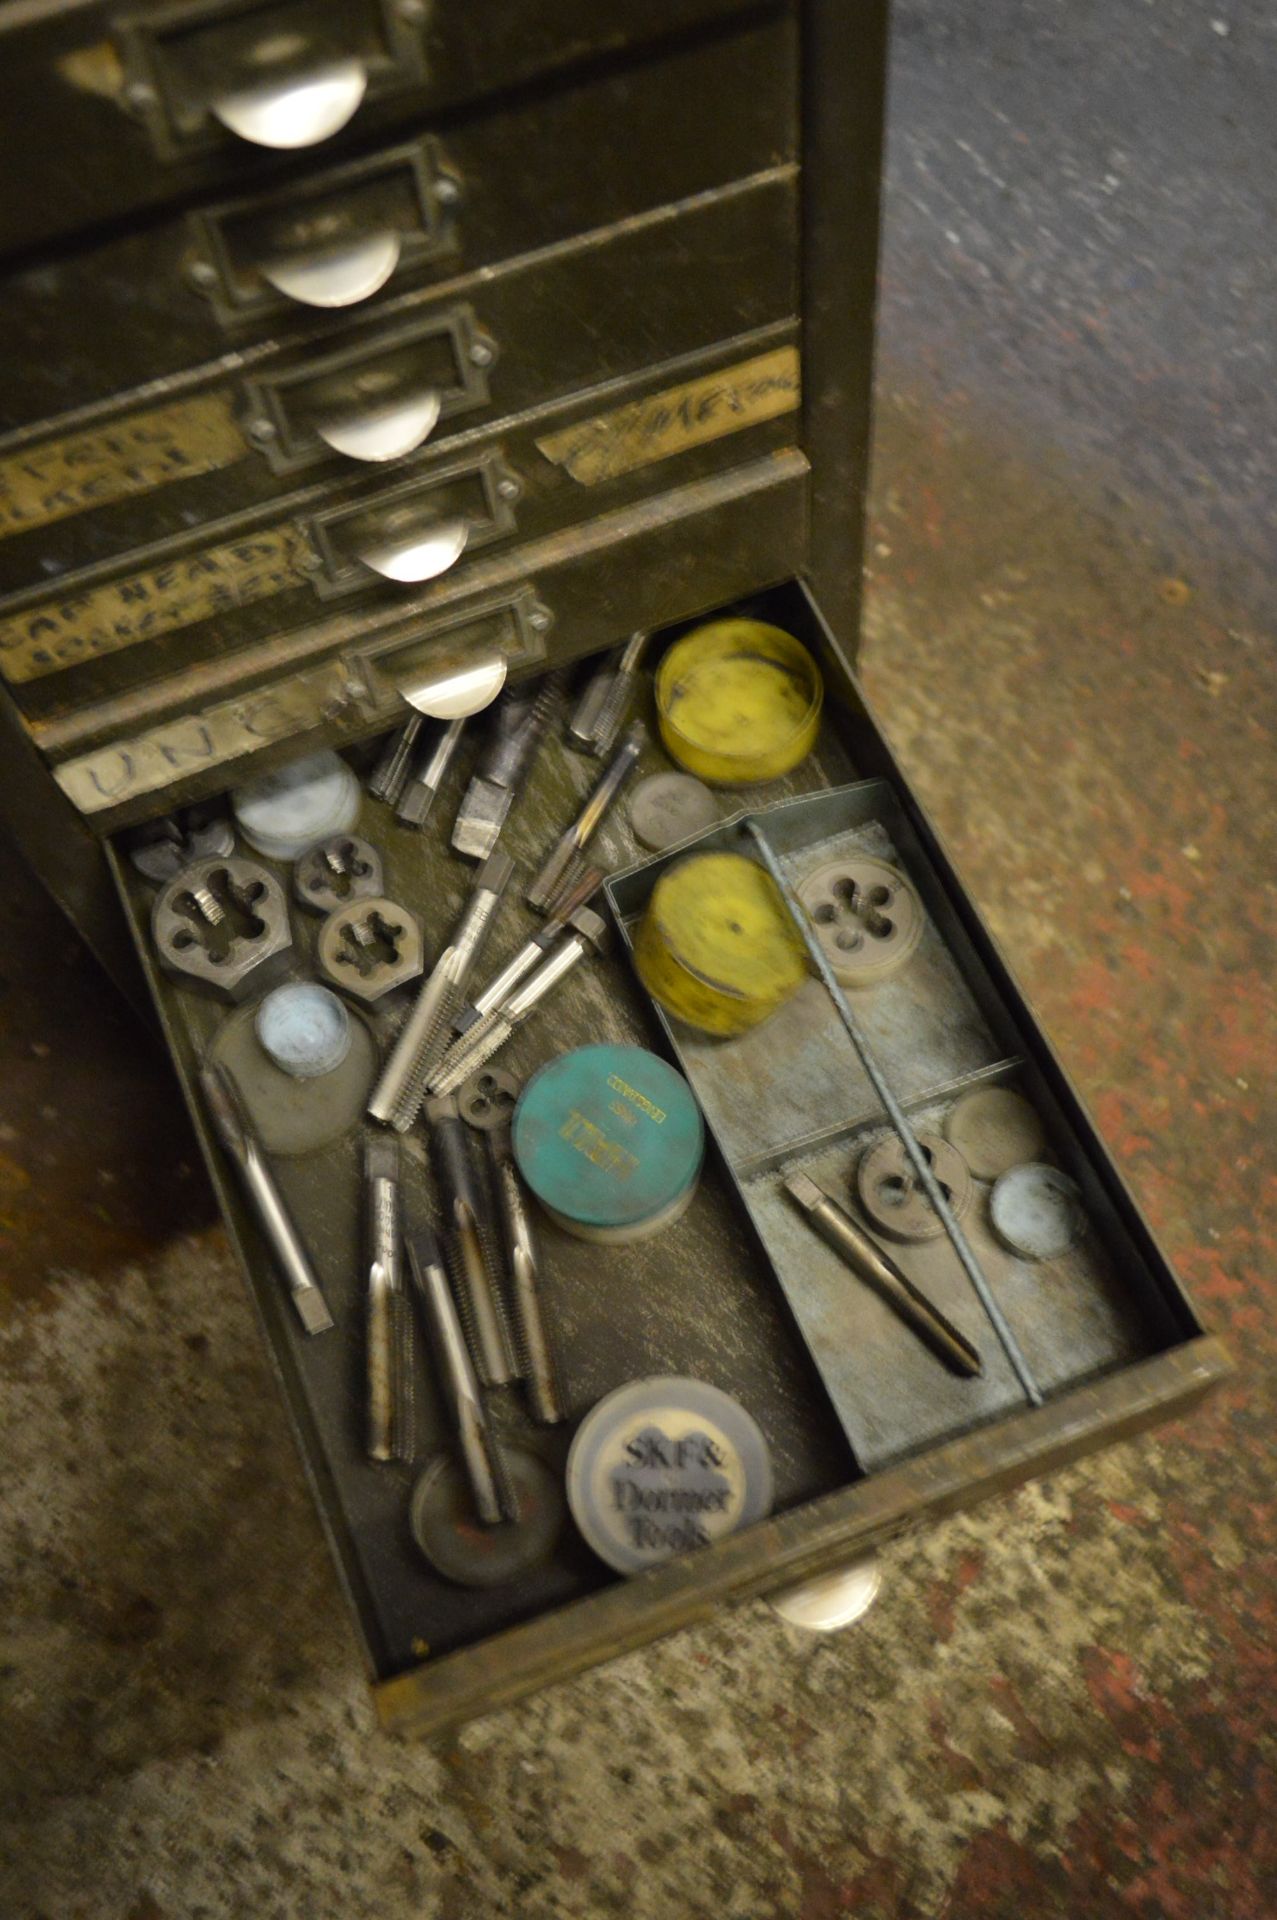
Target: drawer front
175,99
238,278
270,435
663,558
699,1299
377,544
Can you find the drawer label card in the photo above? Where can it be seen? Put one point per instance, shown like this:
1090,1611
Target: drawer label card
690,415
79,471
62,633
150,762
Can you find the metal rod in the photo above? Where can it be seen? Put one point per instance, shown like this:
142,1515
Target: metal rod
235,1132
484,1467
541,895
386,780
503,984
867,1259
426,776
896,1114
389,1423
536,1352
397,1096
468,1244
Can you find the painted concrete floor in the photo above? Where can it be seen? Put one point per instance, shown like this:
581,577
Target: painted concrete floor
1064,1703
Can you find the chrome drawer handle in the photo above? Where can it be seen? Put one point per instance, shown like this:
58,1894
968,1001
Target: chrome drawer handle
385,431
297,111
453,693
337,276
418,553
833,1600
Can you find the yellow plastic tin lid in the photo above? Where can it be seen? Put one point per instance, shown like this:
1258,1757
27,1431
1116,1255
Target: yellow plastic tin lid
717,947
739,701
665,1465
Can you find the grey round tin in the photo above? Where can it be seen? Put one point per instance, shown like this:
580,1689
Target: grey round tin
304,1028
665,1465
282,813
1037,1211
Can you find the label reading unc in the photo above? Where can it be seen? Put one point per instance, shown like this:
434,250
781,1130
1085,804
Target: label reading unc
673,1483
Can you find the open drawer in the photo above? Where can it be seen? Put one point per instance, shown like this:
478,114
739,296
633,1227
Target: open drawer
700,1298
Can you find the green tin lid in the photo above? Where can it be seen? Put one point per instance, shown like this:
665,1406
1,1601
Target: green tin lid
610,1140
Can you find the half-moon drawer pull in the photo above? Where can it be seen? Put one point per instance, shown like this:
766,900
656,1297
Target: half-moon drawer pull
418,553
297,111
337,276
382,432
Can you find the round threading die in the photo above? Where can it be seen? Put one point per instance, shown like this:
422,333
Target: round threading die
867,917
487,1099
343,867
894,1198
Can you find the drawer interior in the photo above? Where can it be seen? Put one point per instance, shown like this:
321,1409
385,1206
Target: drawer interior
702,1297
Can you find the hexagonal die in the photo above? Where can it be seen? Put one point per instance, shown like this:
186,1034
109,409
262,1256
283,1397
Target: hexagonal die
336,871
222,923
368,947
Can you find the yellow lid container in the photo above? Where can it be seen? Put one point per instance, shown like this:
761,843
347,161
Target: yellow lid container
717,947
738,702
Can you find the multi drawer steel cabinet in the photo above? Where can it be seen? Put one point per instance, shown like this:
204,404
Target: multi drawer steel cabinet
287,287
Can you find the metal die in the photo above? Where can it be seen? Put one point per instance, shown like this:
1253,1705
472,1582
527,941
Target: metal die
370,946
336,871
223,924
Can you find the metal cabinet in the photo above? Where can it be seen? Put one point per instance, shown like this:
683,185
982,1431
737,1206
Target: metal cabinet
563,331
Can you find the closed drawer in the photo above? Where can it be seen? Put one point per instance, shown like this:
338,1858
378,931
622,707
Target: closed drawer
699,1300
175,99
369,546
265,439
527,175
663,557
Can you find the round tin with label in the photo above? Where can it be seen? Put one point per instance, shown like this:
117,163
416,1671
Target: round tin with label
610,1140
284,812
665,1465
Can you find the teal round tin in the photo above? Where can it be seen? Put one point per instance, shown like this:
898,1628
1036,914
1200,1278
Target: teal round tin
610,1140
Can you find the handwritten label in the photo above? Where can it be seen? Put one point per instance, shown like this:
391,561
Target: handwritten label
667,423
105,619
111,776
71,475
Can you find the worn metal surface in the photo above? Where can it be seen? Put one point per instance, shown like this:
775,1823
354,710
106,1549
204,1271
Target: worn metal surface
791,1094
536,174
698,1297
668,555
64,71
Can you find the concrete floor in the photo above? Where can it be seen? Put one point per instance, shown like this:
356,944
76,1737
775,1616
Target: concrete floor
1062,1704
